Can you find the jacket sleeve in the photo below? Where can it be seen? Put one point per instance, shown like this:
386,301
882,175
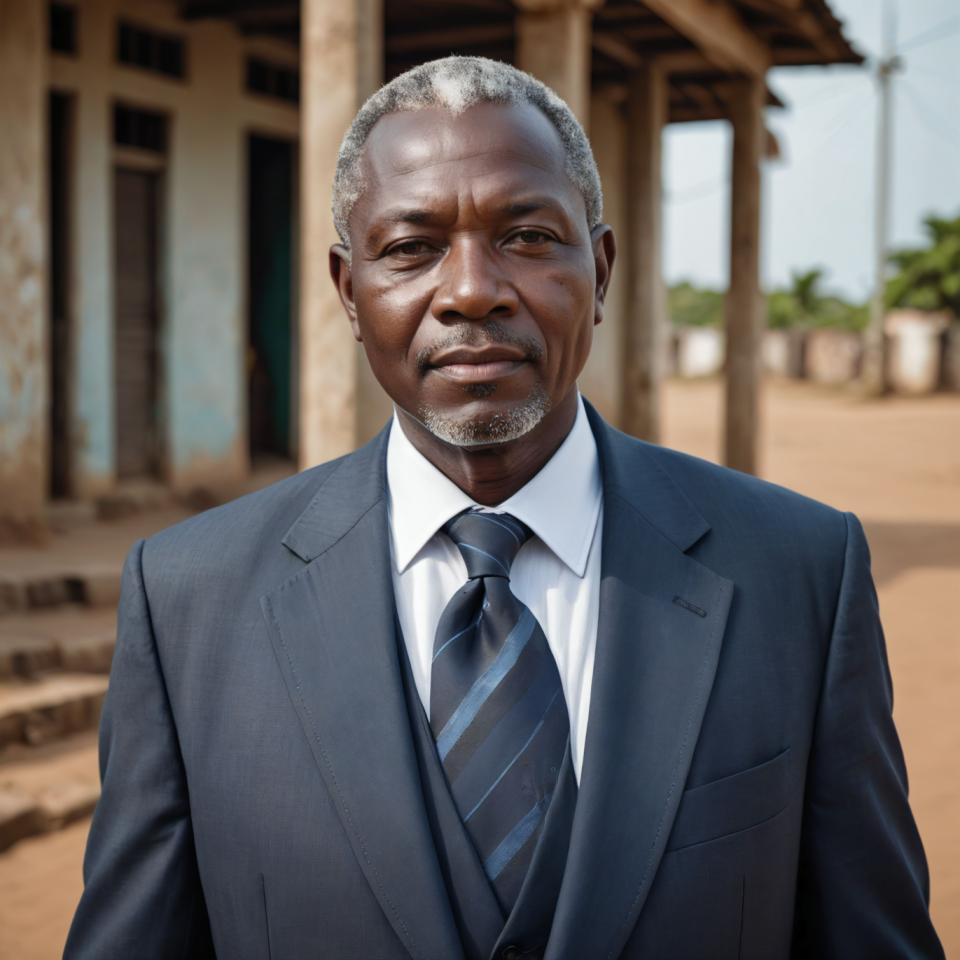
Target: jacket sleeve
863,888
142,896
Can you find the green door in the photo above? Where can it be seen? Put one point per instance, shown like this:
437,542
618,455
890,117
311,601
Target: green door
270,273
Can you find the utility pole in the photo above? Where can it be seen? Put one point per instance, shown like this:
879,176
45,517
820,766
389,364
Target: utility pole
873,376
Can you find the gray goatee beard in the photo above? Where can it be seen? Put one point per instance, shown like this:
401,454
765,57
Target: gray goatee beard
500,428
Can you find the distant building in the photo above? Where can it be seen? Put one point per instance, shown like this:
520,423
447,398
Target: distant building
164,212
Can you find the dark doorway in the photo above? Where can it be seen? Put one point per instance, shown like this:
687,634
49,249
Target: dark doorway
270,278
60,117
136,209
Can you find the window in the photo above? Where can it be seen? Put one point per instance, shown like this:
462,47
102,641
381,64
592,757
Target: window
142,129
273,80
157,52
63,28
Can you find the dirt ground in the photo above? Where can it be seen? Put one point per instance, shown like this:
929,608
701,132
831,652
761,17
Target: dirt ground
896,464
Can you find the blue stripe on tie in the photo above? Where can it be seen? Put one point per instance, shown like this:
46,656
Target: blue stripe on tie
466,629
477,695
512,842
496,560
506,769
500,523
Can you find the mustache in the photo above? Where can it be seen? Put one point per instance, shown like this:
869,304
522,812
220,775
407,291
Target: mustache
491,333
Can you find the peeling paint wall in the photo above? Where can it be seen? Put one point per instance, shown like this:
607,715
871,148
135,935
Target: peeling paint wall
203,276
23,266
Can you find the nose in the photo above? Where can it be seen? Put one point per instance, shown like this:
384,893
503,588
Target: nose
473,285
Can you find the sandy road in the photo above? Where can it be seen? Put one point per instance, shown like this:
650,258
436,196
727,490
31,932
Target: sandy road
897,465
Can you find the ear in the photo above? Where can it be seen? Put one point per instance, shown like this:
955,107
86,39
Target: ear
342,276
604,253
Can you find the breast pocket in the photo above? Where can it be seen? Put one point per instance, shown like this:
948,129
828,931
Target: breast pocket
733,803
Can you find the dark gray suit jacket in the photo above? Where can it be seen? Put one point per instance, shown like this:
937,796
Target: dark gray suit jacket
743,792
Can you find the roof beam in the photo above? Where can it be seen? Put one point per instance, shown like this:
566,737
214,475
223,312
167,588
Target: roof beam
616,49
716,29
685,61
448,39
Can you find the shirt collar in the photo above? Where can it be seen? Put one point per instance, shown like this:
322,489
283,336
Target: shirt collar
561,504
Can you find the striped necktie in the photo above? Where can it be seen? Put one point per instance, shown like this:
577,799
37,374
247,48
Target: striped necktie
497,708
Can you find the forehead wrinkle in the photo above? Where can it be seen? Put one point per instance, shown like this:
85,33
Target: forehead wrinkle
415,166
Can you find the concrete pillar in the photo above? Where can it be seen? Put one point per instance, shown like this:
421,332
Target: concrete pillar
553,43
341,64
744,304
646,320
204,321
601,377
92,380
23,267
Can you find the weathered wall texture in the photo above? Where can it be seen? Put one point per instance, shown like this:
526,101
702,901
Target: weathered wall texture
91,382
23,274
203,250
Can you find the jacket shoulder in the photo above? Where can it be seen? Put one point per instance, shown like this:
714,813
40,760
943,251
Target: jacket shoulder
228,532
739,503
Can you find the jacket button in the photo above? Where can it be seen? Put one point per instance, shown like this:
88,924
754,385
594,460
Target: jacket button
511,952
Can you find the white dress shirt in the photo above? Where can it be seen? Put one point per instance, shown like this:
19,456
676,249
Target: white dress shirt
556,573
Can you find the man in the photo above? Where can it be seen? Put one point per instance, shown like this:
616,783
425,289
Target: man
503,683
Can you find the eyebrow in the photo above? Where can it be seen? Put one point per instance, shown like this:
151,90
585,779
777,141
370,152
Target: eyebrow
414,216
520,208
417,216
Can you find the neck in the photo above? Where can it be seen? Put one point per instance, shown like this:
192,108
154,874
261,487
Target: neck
491,474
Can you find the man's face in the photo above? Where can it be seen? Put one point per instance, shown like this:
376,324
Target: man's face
474,282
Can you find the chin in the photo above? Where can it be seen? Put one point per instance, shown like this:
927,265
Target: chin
487,430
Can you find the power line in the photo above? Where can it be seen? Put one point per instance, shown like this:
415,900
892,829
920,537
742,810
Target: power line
948,28
833,92
924,112
924,71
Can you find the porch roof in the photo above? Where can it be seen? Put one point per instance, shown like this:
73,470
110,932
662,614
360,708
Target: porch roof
702,44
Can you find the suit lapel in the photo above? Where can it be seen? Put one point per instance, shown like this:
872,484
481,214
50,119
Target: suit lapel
662,617
332,627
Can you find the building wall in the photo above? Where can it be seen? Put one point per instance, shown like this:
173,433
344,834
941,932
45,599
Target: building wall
23,288
203,249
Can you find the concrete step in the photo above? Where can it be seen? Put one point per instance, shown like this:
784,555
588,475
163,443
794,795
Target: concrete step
48,708
45,788
133,497
70,638
90,586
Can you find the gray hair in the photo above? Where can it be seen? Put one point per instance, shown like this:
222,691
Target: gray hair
458,83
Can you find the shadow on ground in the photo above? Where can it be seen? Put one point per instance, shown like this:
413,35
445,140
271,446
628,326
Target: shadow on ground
898,547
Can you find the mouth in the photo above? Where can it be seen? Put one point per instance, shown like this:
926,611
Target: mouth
478,364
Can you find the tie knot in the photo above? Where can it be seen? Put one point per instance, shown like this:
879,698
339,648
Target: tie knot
488,542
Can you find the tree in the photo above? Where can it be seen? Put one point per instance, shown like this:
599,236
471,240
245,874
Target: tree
691,306
928,278
804,304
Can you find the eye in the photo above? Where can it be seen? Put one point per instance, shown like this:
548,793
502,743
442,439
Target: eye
410,248
530,237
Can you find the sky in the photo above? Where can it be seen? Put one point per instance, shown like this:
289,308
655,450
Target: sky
819,196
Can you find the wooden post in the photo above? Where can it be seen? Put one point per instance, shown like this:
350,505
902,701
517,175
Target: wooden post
23,268
341,62
553,43
744,304
645,321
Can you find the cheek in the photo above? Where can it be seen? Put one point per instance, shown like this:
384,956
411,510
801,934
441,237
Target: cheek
389,319
566,311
